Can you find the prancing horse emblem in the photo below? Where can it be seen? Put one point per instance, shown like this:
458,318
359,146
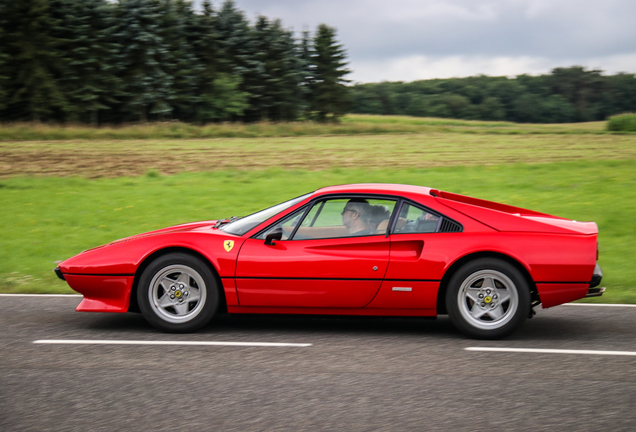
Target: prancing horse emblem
228,245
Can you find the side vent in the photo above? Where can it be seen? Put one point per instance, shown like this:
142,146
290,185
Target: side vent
449,226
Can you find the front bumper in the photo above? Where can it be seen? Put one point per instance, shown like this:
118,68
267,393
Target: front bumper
58,272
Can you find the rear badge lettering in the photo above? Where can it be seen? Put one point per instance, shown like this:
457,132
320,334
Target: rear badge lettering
228,245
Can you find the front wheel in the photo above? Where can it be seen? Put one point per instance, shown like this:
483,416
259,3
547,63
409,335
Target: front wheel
488,299
178,293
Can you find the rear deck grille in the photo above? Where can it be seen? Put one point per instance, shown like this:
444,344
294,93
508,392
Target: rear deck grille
449,226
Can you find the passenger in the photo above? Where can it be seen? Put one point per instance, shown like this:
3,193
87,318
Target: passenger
379,213
356,216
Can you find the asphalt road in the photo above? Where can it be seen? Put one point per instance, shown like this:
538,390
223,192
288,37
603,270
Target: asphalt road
358,374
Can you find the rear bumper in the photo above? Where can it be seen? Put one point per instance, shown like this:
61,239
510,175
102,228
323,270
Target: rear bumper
596,277
595,292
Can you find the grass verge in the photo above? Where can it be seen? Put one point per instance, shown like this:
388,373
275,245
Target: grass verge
49,219
116,158
353,124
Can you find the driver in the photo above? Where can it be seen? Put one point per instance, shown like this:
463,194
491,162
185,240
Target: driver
356,216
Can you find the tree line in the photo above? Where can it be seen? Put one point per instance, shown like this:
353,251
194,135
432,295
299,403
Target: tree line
567,94
99,61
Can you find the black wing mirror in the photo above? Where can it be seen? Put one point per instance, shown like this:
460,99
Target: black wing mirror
275,234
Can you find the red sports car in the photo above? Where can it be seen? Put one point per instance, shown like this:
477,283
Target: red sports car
365,249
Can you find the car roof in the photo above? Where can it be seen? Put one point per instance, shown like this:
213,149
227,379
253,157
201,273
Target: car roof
379,188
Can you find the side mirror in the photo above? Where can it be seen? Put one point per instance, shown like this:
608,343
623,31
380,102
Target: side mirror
275,234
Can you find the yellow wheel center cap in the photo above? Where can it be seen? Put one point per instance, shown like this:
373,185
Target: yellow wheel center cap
177,293
487,299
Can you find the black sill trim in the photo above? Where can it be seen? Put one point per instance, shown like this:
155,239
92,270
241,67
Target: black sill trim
348,279
553,282
100,274
413,280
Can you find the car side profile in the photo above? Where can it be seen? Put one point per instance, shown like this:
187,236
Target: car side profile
363,249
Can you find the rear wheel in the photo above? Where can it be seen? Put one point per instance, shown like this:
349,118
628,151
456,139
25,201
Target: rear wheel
488,299
178,293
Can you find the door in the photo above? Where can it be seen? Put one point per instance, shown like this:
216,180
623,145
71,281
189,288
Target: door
331,256
416,262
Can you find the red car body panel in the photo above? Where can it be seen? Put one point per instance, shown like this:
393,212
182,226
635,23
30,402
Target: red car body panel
350,272
105,293
398,274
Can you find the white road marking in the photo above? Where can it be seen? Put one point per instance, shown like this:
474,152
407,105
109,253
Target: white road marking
552,351
600,304
41,295
142,342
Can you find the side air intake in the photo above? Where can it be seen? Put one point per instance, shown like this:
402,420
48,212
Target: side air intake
449,226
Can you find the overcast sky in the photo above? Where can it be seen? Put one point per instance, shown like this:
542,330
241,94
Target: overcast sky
409,40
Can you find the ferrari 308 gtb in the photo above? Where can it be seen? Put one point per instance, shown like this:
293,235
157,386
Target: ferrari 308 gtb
365,249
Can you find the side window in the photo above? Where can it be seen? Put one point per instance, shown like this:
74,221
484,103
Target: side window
346,217
415,220
287,224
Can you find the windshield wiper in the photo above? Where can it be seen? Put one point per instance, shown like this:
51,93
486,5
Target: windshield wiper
221,222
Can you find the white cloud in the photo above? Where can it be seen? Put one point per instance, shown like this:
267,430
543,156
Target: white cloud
412,68
416,39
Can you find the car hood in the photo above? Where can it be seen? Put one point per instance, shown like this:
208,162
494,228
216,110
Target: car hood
201,226
192,226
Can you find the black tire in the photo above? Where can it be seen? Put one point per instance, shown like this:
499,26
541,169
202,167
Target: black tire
178,293
488,299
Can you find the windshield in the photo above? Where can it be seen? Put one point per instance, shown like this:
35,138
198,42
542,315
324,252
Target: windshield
243,225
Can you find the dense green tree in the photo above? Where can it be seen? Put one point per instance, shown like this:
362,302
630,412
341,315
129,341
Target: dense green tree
234,41
556,109
507,91
86,33
418,105
564,95
4,60
224,101
177,22
34,62
580,87
457,105
220,96
620,94
90,60
492,109
275,79
330,96
233,38
306,72
146,60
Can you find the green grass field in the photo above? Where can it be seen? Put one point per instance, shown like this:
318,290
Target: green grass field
49,219
72,188
115,158
352,124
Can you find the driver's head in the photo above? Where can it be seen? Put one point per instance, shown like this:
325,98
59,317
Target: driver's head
356,214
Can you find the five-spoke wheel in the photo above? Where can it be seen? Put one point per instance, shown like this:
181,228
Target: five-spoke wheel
488,298
178,293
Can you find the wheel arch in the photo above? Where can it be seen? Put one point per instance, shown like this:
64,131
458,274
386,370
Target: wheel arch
134,306
443,286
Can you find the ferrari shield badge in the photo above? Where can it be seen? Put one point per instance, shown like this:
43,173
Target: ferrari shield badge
228,245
